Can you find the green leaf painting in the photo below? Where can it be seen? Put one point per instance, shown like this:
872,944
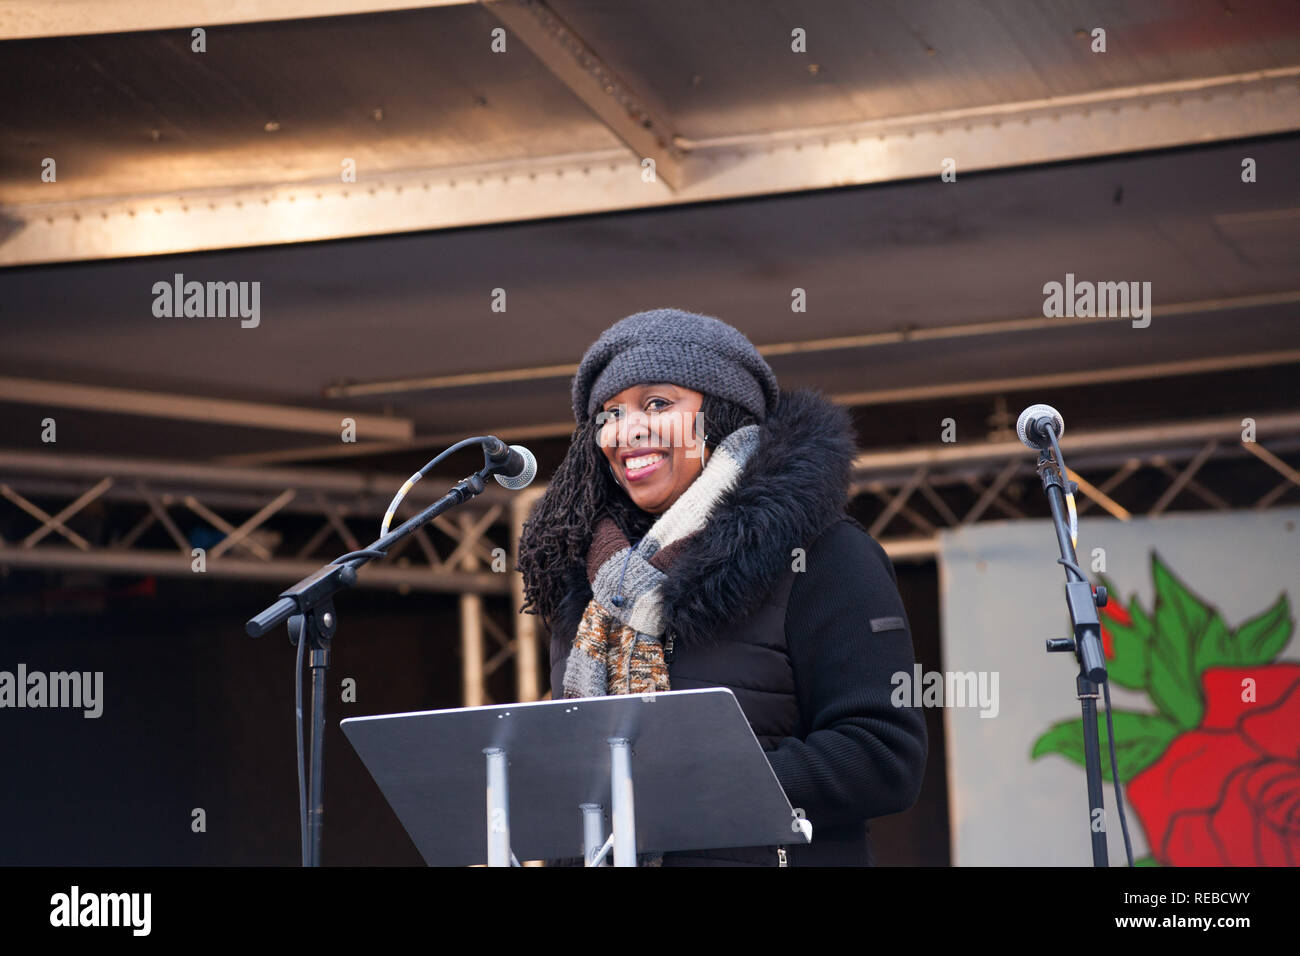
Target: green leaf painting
1140,739
1165,651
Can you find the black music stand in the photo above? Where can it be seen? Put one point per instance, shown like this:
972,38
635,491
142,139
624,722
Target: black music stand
551,769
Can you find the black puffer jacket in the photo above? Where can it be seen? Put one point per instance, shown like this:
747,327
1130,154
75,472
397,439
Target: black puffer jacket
807,646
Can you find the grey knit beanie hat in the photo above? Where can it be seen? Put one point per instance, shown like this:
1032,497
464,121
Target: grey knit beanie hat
683,348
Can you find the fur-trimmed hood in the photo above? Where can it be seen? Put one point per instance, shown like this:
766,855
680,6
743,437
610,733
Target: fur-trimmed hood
795,484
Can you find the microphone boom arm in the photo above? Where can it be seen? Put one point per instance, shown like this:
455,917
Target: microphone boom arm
308,607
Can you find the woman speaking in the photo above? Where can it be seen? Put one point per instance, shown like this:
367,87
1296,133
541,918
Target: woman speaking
695,535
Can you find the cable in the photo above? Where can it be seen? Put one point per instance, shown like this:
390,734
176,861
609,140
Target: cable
1114,774
302,639
302,771
1073,567
410,482
302,636
1064,474
362,553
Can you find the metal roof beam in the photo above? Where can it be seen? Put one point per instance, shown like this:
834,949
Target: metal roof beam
359,487
171,564
917,393
1151,116
595,83
863,340
213,411
29,19
1079,443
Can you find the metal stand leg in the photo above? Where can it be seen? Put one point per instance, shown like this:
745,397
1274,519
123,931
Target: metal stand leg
593,833
1087,692
320,662
498,808
620,753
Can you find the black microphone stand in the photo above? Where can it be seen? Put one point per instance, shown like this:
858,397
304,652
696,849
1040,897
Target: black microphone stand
308,607
1086,643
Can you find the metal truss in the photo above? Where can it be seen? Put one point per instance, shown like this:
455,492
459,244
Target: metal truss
287,524
277,525
128,516
920,492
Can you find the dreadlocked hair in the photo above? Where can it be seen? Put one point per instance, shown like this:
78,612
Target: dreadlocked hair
558,533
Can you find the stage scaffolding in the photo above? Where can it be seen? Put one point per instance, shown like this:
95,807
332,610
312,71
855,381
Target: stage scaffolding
126,516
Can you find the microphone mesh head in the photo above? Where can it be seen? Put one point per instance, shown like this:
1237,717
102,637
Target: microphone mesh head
525,477
1030,414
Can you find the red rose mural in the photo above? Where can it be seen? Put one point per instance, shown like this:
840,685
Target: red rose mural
1214,775
1228,792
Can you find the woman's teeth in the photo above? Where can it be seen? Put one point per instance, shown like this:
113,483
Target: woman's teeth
644,461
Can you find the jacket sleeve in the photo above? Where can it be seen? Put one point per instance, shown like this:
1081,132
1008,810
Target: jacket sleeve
858,756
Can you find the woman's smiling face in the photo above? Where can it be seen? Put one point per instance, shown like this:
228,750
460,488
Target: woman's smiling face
648,433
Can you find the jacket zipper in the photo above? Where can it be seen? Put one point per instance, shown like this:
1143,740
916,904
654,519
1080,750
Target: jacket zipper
668,658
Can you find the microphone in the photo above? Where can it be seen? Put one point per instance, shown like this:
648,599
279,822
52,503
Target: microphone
516,461
513,466
1033,423
1032,427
